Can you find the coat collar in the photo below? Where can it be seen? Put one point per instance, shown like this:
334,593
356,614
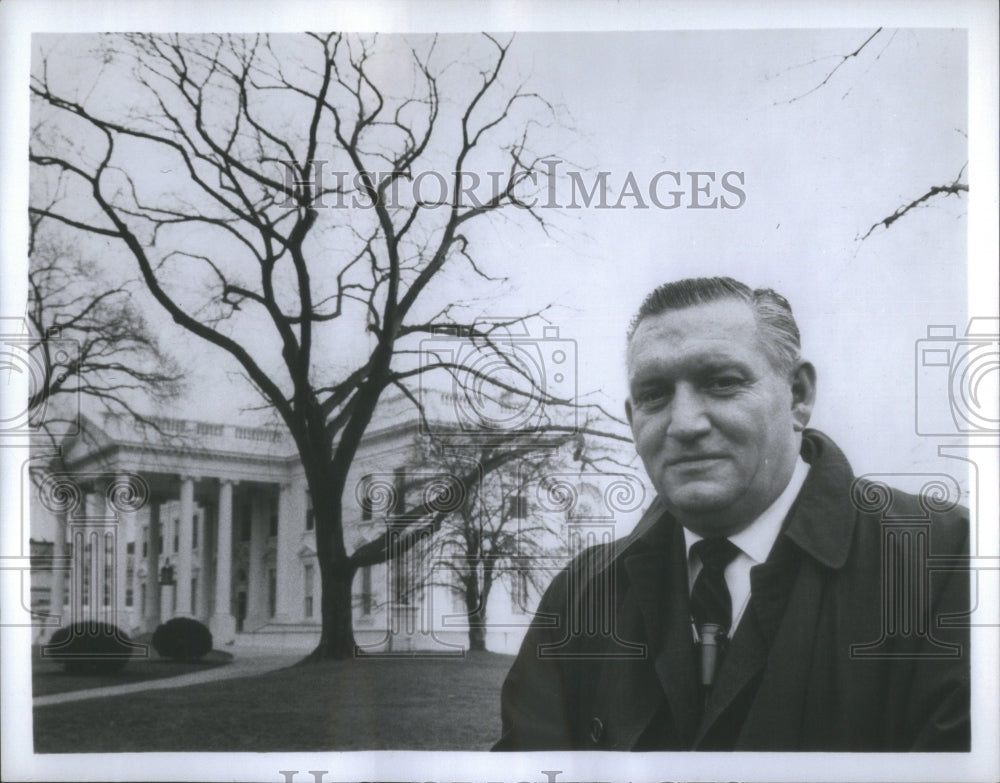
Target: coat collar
820,522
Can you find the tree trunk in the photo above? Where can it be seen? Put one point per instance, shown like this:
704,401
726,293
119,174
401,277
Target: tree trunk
477,637
476,609
337,638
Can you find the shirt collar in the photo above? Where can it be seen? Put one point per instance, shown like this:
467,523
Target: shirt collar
757,538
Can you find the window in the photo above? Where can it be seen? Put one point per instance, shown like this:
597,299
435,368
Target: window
458,599
145,542
310,514
159,545
399,569
517,508
177,538
128,596
520,594
366,504
142,599
130,548
272,592
245,522
194,532
308,612
367,602
194,594
272,522
399,481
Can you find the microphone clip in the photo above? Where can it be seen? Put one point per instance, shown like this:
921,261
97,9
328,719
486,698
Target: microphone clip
711,638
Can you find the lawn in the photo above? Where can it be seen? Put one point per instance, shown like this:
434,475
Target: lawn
361,704
49,676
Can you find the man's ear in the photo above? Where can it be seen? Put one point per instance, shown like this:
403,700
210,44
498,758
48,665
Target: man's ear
803,394
628,411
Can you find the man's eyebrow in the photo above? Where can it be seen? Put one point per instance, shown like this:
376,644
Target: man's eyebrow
723,363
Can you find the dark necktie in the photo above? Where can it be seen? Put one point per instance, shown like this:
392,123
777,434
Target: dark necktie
711,604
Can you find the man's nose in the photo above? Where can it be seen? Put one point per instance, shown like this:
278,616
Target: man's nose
688,418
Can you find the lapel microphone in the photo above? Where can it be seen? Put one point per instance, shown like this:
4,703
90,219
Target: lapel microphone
711,636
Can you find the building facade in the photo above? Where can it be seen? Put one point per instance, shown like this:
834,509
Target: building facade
214,521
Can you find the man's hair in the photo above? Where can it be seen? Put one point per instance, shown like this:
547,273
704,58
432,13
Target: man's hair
778,330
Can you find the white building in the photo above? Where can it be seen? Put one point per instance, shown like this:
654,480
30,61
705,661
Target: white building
214,521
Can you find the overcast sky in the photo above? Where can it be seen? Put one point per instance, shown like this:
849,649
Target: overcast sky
812,155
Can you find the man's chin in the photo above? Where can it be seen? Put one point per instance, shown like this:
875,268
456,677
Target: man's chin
710,508
697,497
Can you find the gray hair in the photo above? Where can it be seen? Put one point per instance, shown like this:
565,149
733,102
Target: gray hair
774,316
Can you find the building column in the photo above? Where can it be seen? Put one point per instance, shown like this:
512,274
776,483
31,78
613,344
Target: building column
121,614
256,575
291,525
82,584
223,624
58,597
183,569
204,565
152,618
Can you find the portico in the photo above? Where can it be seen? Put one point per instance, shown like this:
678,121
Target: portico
195,520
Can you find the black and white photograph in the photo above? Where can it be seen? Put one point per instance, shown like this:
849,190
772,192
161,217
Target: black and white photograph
513,391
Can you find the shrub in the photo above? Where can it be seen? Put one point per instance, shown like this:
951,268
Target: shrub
182,638
87,647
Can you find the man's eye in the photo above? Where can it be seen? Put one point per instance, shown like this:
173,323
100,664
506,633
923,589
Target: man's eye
651,398
724,383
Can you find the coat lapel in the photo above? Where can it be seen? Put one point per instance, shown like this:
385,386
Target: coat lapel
658,581
771,586
775,718
744,661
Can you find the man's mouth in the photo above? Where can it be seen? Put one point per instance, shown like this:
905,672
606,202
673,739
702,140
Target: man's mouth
691,459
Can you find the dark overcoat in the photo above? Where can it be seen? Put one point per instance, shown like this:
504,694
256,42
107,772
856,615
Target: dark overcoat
855,638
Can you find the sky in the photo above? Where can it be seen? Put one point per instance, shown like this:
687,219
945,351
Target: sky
815,148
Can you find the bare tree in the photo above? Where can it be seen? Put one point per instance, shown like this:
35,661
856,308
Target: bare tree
495,532
956,187
210,162
88,345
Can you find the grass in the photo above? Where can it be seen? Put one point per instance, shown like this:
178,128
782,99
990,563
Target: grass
49,676
361,704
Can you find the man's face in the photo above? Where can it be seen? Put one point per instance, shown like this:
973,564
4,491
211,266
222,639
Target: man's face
714,423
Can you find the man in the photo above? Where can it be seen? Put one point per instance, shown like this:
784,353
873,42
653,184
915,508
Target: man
752,608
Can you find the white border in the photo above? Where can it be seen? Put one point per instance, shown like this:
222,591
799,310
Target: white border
20,18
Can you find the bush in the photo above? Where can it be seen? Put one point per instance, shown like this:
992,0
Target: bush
182,638
90,648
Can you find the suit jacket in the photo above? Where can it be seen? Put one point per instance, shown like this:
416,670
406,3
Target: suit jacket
855,638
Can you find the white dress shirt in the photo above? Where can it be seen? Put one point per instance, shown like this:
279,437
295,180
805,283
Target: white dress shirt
754,541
